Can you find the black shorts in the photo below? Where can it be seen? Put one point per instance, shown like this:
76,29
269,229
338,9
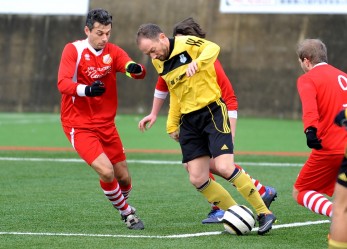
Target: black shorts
206,132
342,176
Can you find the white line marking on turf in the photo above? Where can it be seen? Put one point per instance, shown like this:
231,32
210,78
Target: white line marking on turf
76,160
296,224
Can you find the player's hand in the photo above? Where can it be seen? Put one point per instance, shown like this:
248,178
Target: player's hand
312,140
175,135
340,119
192,68
96,89
147,122
134,68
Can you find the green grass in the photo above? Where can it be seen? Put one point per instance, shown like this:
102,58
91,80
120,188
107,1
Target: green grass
251,135
48,198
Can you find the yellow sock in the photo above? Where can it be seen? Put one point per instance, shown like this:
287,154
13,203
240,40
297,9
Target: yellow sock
337,245
247,189
217,195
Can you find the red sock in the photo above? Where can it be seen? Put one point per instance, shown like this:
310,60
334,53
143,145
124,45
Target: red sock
113,193
126,189
316,202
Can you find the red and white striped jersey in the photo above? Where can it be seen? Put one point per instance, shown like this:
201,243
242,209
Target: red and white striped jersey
82,64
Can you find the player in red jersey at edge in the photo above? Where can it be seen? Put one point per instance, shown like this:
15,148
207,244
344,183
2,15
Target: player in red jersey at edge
323,93
190,27
88,85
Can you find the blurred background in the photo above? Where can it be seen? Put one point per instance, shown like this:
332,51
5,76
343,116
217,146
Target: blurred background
258,52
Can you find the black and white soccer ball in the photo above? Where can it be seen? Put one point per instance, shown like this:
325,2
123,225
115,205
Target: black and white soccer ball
238,219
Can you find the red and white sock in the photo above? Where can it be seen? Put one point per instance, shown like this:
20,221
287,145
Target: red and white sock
126,190
113,192
315,202
261,188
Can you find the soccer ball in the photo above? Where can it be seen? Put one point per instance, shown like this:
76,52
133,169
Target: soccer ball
238,219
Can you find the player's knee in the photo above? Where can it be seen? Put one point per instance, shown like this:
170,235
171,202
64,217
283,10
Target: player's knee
124,180
106,174
198,180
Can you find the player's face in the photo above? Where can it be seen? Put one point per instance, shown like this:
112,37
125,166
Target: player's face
156,49
99,35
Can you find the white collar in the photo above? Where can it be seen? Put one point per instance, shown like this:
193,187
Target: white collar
319,64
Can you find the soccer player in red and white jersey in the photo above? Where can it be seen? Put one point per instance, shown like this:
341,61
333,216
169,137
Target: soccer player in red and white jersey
87,82
323,93
190,27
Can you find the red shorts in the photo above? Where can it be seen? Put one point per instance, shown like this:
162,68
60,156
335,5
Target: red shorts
319,173
90,143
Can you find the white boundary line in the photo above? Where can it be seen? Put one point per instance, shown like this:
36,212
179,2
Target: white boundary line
296,224
75,160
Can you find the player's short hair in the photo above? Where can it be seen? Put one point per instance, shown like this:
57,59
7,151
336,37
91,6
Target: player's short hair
98,15
150,31
188,27
312,49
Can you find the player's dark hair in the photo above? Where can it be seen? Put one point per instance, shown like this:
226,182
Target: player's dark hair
100,16
312,49
189,27
150,31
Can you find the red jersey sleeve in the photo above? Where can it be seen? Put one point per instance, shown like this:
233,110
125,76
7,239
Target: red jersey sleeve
308,95
67,69
228,93
122,59
161,90
136,76
161,85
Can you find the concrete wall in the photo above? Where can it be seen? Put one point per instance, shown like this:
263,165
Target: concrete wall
31,49
258,53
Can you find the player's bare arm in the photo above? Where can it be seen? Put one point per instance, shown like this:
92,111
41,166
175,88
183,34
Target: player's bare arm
148,121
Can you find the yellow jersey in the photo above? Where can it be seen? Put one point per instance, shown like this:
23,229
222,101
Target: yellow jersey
189,93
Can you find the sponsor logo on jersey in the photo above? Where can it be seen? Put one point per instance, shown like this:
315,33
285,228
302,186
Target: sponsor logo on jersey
107,59
97,72
178,78
183,59
175,62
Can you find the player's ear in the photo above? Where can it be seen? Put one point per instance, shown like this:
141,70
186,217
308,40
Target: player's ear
86,30
162,36
307,62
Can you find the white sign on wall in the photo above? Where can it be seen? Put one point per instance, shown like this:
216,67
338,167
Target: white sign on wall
284,6
45,7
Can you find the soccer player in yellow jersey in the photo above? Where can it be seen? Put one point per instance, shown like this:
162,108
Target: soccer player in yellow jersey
189,26
198,116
